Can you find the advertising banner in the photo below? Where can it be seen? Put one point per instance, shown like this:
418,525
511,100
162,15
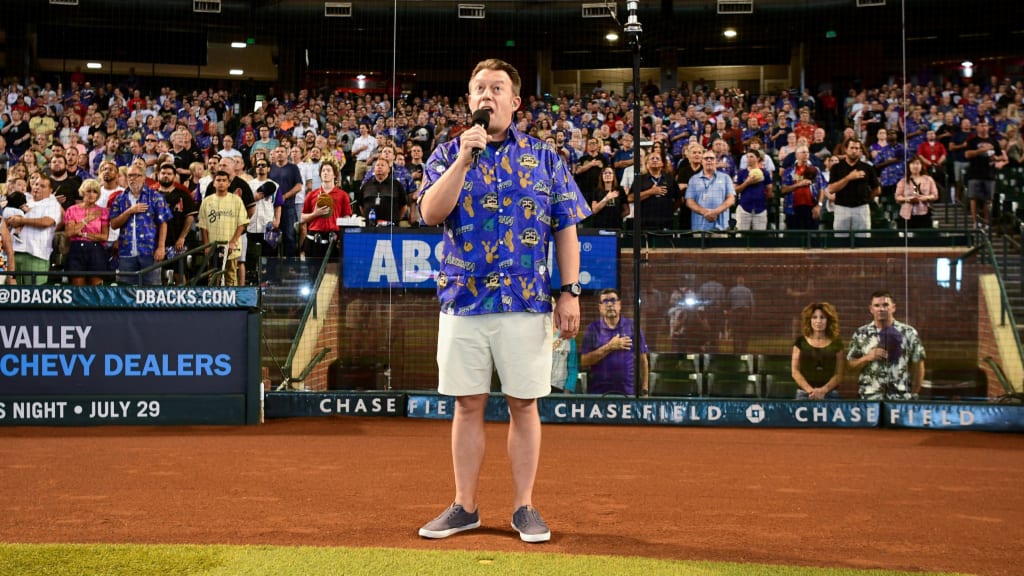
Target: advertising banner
134,410
149,297
298,405
954,416
412,260
682,412
126,352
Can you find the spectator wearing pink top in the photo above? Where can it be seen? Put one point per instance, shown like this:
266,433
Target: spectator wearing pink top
87,225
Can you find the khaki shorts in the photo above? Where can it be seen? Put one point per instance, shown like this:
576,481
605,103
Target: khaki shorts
516,344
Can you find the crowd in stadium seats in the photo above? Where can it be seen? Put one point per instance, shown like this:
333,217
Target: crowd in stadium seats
776,150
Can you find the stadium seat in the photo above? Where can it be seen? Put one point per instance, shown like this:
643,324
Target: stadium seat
951,379
776,375
779,386
730,376
675,362
675,384
728,363
732,386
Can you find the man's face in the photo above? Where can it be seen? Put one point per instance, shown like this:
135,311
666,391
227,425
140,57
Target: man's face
57,166
41,188
279,156
853,152
882,310
108,172
226,165
381,169
492,90
220,184
610,306
165,178
136,178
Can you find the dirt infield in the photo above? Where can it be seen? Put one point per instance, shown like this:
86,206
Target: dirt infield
911,500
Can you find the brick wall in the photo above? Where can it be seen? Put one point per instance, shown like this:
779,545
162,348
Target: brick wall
399,327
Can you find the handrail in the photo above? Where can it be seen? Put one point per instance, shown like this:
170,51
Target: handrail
1006,312
114,274
310,309
807,239
1000,375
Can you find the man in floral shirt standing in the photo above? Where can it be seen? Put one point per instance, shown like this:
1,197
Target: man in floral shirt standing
502,195
141,214
888,354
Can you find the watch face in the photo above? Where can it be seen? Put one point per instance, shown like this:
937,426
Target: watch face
575,289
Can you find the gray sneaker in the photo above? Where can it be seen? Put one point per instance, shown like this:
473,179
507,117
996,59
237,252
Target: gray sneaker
531,527
452,521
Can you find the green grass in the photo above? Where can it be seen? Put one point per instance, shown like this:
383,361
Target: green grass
191,560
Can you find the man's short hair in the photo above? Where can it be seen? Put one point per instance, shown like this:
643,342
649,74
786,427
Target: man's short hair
220,173
882,294
609,291
501,66
168,166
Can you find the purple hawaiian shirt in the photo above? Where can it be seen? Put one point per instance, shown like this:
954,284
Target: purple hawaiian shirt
141,229
495,249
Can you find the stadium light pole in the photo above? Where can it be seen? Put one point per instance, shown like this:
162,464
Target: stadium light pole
633,29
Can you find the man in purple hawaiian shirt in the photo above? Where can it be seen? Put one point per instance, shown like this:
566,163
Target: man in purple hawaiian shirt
501,195
141,214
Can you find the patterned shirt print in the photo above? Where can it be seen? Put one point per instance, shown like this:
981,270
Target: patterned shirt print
141,229
886,379
495,250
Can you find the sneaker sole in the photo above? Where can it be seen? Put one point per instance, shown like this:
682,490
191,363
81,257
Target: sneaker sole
532,538
446,533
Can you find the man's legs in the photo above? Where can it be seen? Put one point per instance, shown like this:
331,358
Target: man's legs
231,272
468,446
26,262
843,219
128,265
524,436
980,192
743,219
860,218
289,218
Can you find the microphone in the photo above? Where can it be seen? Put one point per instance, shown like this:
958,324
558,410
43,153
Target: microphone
481,117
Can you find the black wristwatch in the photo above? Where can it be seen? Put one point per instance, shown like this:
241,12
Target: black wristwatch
575,289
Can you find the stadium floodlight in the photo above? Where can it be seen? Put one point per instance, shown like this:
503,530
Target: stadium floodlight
735,6
206,6
600,10
338,9
472,11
